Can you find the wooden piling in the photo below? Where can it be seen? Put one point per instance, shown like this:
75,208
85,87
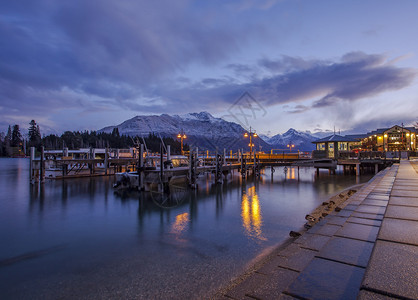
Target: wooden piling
106,160
42,166
32,167
141,167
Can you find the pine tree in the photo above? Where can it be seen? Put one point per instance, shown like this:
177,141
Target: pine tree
16,136
34,135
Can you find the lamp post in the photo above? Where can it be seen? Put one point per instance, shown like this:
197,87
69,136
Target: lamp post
181,136
290,146
251,134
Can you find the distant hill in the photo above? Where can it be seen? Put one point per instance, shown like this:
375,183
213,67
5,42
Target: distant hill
202,130
301,140
207,132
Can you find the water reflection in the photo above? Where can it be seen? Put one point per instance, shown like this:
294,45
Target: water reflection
252,220
209,236
180,224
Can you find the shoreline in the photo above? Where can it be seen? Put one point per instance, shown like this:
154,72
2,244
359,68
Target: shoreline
335,202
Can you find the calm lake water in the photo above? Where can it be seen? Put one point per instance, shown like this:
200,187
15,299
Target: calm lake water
79,239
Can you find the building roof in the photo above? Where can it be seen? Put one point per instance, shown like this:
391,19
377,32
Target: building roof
335,138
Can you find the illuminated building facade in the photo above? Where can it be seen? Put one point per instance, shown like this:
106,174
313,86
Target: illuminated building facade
395,138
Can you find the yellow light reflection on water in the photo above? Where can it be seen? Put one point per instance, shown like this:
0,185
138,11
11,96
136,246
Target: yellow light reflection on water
252,220
182,220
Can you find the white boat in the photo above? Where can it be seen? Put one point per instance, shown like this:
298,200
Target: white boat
131,179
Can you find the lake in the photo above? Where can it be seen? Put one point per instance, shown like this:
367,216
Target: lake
78,238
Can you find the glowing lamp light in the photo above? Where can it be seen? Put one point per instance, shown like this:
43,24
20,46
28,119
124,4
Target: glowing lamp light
179,135
245,134
407,134
385,135
255,134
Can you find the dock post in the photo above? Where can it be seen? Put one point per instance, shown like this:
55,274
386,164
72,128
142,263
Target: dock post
216,165
42,167
106,160
161,187
161,162
141,167
65,152
243,166
195,165
376,168
32,167
168,152
224,158
357,169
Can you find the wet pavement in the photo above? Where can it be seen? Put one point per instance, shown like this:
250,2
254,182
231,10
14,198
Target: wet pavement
368,250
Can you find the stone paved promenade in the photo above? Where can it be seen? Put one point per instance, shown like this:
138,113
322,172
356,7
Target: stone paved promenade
368,250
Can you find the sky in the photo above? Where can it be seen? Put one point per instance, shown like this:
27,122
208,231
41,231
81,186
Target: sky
270,64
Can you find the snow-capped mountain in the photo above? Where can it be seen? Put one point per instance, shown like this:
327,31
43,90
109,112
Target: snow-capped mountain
207,132
301,140
202,130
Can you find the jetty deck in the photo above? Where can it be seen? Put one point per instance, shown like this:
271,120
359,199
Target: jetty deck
57,164
368,250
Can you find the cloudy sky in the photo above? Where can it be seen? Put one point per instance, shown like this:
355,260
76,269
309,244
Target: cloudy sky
310,65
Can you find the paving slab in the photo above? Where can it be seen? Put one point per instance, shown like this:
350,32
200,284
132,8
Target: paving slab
250,283
364,221
336,220
289,250
274,285
312,241
326,229
324,279
378,197
406,183
270,266
402,231
375,202
298,261
353,252
350,207
406,187
405,193
394,276
359,232
367,295
407,201
371,209
367,216
402,212
385,191
342,213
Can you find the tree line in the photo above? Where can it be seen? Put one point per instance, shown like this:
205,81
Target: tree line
14,144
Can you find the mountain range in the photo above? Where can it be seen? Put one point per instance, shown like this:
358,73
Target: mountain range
207,132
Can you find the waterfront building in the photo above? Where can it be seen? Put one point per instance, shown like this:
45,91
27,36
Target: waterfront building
395,138
331,146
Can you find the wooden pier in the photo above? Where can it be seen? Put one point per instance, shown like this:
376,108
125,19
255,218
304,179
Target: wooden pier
139,174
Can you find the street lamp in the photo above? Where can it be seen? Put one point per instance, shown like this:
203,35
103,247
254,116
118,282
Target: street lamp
181,136
251,134
290,146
